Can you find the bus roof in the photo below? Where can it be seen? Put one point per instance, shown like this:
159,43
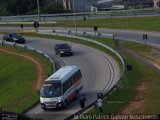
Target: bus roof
63,73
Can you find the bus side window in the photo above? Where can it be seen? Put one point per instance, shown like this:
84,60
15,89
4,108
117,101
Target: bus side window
64,87
69,83
79,74
73,80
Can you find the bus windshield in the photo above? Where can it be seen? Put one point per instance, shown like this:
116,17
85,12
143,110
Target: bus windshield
51,90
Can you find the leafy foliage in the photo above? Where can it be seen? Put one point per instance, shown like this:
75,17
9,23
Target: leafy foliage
23,7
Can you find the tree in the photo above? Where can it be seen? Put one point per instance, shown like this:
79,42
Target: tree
18,7
3,7
23,7
55,7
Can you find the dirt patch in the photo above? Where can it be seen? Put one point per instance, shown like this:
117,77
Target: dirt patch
137,102
151,58
29,58
155,61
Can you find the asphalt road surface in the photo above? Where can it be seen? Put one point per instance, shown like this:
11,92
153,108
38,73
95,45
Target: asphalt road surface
130,35
100,72
95,68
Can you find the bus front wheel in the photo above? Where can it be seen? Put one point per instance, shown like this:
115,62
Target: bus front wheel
65,104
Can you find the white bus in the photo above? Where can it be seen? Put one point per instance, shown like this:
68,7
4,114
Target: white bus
61,88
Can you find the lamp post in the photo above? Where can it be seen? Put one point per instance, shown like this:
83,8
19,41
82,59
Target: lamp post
74,17
38,10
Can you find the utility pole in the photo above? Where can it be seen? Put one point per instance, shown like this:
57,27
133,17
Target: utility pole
38,10
74,17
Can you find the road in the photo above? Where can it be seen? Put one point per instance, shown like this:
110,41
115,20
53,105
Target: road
131,35
99,71
79,16
94,67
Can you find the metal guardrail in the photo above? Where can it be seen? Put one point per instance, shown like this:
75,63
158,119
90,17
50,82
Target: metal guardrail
52,63
105,46
25,47
80,15
86,39
4,115
73,33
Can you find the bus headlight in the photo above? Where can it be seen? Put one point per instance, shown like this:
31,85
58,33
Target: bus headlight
59,101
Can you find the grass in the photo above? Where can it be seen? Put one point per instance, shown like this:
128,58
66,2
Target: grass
17,77
107,41
134,23
150,77
140,23
127,90
141,73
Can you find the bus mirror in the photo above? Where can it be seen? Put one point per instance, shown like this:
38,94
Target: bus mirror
38,92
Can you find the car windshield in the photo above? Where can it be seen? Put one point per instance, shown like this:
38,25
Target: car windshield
51,90
16,35
64,46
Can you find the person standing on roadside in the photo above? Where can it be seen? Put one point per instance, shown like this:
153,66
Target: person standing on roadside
100,102
82,101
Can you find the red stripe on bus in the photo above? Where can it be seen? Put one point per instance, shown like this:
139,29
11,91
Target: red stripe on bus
71,97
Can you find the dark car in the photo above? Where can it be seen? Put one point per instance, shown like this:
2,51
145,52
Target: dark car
13,37
63,49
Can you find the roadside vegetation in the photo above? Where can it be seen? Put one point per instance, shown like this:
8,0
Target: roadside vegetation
148,93
18,77
142,74
29,7
133,23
